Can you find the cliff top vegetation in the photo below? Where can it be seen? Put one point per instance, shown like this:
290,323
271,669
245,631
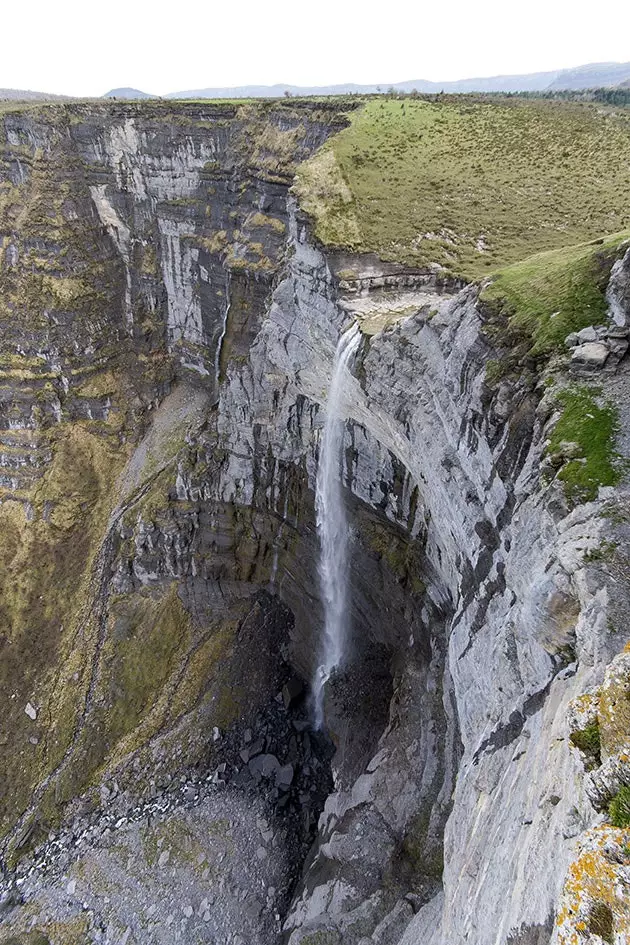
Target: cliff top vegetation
470,184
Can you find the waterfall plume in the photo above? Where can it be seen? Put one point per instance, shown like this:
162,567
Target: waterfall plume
332,525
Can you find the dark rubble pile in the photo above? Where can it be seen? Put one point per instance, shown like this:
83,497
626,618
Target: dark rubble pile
277,759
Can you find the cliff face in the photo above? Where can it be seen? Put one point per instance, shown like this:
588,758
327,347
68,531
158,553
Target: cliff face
168,331
134,251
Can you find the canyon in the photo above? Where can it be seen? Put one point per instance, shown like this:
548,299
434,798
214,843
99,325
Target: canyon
169,318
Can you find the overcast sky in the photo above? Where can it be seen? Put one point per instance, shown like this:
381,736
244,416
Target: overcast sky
79,48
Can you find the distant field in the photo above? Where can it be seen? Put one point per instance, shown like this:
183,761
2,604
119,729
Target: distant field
469,184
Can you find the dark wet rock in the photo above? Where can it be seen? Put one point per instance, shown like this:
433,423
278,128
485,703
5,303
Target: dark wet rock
292,691
8,900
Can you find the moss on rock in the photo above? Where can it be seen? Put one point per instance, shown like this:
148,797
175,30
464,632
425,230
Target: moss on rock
614,706
587,740
589,424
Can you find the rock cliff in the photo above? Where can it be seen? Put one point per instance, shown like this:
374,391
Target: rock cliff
167,331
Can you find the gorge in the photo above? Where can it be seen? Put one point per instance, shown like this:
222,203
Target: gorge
182,289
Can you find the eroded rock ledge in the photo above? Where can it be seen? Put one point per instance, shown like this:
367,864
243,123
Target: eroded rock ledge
179,415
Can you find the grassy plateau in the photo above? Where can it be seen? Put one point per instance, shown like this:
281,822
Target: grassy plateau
468,183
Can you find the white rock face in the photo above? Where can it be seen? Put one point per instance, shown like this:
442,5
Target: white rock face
618,294
507,562
149,178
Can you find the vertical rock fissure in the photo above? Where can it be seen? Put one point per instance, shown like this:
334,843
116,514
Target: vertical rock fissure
218,368
332,526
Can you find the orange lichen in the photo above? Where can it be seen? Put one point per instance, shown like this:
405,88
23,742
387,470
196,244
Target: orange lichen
614,707
596,884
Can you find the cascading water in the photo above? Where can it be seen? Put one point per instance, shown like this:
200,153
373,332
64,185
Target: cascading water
332,526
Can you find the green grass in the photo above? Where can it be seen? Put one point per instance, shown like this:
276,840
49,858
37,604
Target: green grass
619,808
588,740
551,294
592,428
470,184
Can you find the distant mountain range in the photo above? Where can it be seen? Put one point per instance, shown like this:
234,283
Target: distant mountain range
596,75
593,75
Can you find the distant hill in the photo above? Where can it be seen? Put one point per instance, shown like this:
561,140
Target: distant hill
22,95
536,82
595,75
127,93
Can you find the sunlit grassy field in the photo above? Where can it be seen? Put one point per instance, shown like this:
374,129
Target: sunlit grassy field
471,184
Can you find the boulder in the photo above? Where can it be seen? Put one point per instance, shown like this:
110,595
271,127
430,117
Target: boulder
284,777
587,334
264,766
591,356
617,347
31,711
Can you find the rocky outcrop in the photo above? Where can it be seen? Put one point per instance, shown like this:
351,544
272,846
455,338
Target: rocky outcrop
618,294
505,566
482,603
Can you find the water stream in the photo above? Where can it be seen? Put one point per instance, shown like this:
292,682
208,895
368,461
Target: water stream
332,525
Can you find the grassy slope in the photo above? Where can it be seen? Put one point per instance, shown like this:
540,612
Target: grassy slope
521,190
471,184
549,295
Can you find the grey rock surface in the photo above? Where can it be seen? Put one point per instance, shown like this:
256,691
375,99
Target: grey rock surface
590,356
618,293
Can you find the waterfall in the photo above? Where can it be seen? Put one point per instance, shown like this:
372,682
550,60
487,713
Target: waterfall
332,526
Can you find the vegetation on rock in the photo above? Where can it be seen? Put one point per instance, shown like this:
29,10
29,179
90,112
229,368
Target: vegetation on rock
549,295
619,808
585,435
588,741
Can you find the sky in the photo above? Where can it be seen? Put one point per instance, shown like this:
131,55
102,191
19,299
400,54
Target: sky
77,48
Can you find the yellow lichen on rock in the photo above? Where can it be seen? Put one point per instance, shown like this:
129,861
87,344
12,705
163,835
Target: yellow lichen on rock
614,707
595,903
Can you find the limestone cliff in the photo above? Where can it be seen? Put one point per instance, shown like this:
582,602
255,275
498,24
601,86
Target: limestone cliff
168,325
